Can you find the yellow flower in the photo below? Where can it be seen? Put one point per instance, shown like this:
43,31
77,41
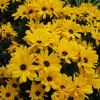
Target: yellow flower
43,8
80,88
63,83
87,29
95,25
70,29
21,12
4,4
89,12
4,72
59,95
34,25
32,10
64,88
48,78
21,64
56,7
6,31
96,36
36,38
92,78
88,59
46,60
67,50
65,28
70,11
13,83
36,92
13,46
7,93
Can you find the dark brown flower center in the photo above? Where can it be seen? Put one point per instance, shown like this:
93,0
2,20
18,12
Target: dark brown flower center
62,86
49,78
37,93
64,53
77,86
24,13
43,86
52,9
8,35
85,60
23,67
35,63
30,11
39,41
2,5
70,31
14,85
7,94
44,8
85,15
46,63
94,17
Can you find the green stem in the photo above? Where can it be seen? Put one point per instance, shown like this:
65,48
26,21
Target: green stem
67,1
77,2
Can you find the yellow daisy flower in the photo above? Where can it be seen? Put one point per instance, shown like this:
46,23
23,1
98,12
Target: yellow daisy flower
4,72
63,83
6,31
13,46
89,12
36,38
21,64
4,4
51,76
67,50
93,78
43,8
13,83
88,59
7,93
21,12
80,87
96,36
34,25
32,10
56,7
59,95
46,60
71,29
64,88
36,92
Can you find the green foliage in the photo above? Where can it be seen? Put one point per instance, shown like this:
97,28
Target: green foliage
78,2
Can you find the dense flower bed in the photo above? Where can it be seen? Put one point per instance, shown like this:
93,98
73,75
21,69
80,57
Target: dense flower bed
49,50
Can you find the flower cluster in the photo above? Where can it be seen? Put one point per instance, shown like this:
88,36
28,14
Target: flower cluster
49,50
